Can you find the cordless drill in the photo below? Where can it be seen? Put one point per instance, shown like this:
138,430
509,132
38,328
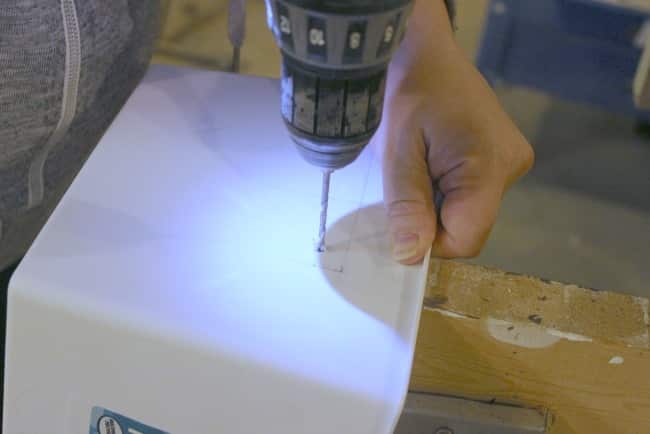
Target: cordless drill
335,55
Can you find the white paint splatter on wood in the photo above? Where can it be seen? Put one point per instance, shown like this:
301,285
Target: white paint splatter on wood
529,335
569,336
448,313
616,360
522,335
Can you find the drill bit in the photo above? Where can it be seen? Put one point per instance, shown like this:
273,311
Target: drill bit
324,202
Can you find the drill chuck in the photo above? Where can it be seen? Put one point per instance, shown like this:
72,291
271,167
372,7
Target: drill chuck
335,56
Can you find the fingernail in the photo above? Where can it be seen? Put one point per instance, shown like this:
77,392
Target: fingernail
405,245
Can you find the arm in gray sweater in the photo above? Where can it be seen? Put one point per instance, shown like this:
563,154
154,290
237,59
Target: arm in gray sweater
66,69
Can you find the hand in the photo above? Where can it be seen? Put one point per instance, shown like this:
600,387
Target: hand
443,135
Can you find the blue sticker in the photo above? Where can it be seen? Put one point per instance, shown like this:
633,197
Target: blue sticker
104,421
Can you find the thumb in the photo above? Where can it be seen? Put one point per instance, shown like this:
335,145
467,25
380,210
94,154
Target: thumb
408,196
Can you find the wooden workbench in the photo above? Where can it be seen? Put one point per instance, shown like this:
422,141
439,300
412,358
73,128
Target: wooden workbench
583,355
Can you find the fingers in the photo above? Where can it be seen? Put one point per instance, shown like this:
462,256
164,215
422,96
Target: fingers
467,216
473,189
408,194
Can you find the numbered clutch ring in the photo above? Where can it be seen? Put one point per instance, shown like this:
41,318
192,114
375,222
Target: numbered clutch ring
324,37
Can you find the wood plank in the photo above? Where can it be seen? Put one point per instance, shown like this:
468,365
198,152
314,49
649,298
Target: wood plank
495,336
